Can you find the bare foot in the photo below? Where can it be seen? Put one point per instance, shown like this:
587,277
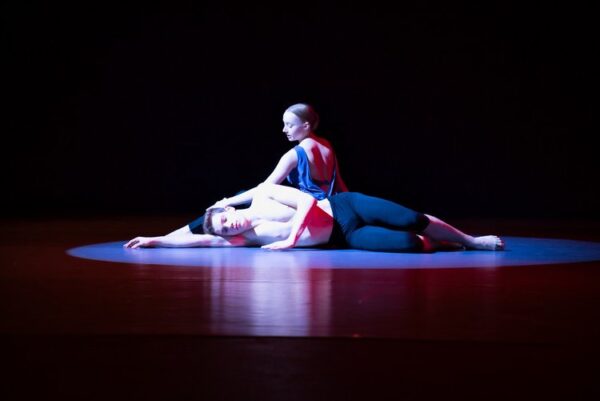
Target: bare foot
487,243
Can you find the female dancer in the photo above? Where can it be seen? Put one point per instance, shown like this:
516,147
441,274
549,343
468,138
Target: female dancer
311,166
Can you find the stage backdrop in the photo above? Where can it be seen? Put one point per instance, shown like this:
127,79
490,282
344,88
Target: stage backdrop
482,111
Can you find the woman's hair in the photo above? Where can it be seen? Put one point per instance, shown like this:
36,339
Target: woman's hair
207,226
306,113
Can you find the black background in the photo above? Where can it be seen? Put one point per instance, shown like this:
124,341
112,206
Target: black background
456,110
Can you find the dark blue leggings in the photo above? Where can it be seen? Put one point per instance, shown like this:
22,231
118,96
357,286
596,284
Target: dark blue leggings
376,224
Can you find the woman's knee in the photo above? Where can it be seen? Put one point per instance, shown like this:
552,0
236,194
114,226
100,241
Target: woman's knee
422,221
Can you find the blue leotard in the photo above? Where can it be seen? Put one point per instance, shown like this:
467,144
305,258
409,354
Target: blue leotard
301,179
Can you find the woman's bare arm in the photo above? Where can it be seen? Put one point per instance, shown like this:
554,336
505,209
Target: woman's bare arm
286,163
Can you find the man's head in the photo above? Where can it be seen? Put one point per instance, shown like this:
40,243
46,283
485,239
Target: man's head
225,222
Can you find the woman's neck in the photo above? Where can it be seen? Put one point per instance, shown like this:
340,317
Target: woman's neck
311,135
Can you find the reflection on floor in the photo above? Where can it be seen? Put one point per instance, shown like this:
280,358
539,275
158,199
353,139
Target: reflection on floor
250,324
520,251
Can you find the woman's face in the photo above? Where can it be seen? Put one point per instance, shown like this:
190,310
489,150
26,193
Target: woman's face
294,128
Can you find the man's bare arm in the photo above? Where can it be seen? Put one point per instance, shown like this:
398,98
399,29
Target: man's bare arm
186,241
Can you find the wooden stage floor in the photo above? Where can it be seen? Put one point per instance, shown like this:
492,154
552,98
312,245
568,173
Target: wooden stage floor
81,329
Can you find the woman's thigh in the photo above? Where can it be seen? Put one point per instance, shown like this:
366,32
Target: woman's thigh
385,213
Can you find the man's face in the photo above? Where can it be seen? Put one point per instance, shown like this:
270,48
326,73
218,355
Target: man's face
230,222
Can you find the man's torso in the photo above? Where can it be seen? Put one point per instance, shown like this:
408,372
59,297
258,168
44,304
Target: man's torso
275,223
